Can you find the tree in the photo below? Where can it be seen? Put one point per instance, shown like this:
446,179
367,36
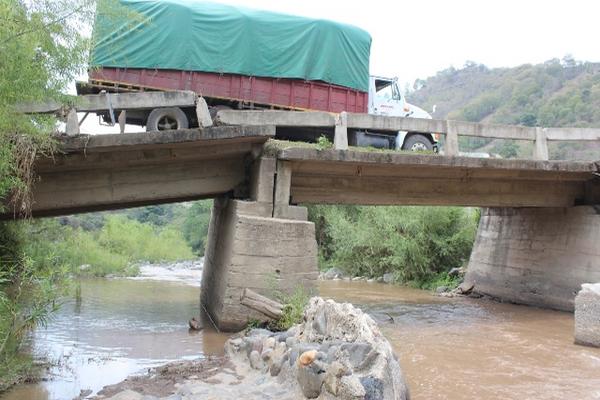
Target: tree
48,47
46,52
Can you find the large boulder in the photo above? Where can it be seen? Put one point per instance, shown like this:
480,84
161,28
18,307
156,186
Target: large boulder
337,352
587,315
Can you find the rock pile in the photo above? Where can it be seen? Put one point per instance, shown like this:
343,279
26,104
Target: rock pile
587,315
338,352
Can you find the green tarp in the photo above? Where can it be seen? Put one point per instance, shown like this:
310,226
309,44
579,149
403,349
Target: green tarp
201,36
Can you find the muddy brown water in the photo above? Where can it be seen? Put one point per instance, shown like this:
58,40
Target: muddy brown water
449,348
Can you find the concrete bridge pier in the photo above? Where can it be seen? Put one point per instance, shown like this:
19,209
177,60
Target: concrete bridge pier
536,256
263,244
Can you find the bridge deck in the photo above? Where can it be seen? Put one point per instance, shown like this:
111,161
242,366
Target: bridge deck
385,178
104,172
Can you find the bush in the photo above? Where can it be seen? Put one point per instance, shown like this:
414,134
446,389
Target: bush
112,250
417,244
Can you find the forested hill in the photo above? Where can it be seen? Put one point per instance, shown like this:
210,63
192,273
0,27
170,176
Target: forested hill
556,93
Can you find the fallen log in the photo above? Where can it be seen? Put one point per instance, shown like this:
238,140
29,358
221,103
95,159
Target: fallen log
262,304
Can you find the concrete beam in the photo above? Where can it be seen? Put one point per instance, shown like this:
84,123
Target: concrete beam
118,101
67,192
375,178
117,171
278,118
574,134
310,155
112,142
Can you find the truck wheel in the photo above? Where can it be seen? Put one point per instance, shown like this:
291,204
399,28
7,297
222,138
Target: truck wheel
166,119
417,143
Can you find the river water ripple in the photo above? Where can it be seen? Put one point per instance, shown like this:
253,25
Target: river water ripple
451,349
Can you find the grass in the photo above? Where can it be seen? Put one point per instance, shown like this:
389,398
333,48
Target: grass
274,146
441,279
293,310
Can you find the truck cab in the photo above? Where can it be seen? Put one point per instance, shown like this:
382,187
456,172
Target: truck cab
385,98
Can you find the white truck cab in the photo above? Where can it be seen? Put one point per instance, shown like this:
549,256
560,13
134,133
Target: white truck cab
385,98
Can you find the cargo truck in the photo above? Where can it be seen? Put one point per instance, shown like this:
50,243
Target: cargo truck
238,58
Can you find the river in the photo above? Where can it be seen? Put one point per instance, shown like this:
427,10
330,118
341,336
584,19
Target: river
449,348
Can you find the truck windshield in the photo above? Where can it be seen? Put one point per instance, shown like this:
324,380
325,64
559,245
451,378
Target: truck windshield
387,90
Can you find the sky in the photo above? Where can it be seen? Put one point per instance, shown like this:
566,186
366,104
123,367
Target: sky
415,39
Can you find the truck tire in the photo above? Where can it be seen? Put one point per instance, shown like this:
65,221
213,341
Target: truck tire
417,142
165,119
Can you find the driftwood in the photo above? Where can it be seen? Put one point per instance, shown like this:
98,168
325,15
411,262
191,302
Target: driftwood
262,304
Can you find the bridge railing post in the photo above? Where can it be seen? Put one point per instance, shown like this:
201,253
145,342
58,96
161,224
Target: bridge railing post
72,127
540,149
340,140
451,144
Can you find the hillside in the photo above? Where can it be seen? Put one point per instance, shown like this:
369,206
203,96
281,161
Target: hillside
556,93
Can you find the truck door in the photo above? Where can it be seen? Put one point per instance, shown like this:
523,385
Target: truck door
387,99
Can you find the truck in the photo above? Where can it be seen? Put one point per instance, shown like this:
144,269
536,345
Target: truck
243,59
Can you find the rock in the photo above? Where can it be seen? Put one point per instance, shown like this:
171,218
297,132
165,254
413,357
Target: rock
389,277
587,315
465,288
380,279
127,395
266,355
333,273
442,289
334,373
320,323
307,357
195,324
358,278
357,353
291,341
456,272
337,352
255,360
350,388
373,388
269,343
311,381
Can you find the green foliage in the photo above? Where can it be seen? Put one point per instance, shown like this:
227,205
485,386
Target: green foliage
556,93
195,225
415,243
114,249
506,148
323,143
46,53
435,281
29,290
293,309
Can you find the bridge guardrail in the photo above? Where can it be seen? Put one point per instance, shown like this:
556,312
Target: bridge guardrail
450,129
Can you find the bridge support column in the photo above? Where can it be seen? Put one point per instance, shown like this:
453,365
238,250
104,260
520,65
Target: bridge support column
248,247
536,256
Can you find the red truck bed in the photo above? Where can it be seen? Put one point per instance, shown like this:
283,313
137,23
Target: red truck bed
278,93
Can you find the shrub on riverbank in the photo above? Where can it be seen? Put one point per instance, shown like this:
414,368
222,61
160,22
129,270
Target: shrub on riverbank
114,249
29,292
417,244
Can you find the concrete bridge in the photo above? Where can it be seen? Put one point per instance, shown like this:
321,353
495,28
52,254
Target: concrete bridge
537,240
